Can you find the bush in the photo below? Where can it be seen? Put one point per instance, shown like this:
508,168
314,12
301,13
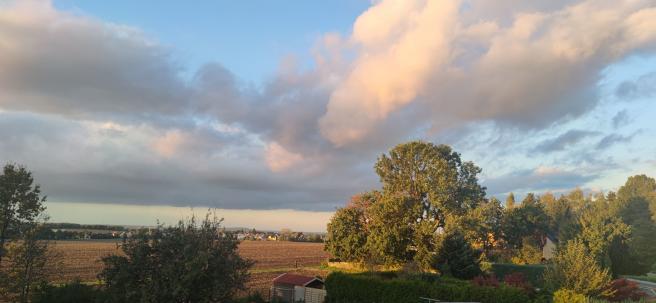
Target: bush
568,296
71,292
576,269
190,262
366,288
517,279
623,289
486,281
533,273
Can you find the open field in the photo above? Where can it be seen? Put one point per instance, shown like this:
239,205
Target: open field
81,259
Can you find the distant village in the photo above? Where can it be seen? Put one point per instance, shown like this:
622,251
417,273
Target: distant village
72,231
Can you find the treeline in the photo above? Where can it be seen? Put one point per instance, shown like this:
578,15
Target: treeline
432,214
85,226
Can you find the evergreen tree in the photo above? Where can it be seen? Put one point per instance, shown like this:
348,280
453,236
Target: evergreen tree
456,256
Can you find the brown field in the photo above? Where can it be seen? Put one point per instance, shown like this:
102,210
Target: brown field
81,259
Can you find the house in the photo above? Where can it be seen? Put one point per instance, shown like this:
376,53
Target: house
549,248
296,288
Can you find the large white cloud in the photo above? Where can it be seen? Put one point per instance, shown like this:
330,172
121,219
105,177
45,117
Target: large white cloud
463,63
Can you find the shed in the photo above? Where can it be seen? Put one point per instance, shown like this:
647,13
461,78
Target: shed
296,288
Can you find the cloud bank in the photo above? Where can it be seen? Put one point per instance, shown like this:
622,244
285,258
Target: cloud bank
102,112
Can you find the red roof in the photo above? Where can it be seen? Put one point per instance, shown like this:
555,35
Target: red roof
292,279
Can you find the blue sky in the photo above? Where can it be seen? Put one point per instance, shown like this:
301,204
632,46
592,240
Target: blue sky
280,109
248,37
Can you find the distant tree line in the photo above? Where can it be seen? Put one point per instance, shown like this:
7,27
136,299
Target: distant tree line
432,213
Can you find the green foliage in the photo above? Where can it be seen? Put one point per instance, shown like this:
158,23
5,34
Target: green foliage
528,220
70,292
20,202
190,262
367,288
346,235
390,230
432,175
456,256
604,233
575,269
483,224
568,296
533,273
530,253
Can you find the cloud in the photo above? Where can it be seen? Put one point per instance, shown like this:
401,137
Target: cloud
613,139
280,159
56,62
542,178
563,141
620,119
461,63
643,87
101,112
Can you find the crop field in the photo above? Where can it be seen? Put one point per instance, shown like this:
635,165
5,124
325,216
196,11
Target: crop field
81,259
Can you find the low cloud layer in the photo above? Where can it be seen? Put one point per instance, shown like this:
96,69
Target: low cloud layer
103,113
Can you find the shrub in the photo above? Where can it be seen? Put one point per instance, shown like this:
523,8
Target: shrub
364,288
190,262
576,269
71,292
623,289
533,273
568,296
486,280
517,279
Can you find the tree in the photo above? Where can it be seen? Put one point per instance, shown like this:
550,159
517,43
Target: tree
346,235
429,185
28,258
562,219
434,177
528,220
575,269
456,256
189,262
510,201
391,230
20,202
482,225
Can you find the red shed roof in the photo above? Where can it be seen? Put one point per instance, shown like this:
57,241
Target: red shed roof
294,279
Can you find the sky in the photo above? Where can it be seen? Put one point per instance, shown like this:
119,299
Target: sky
274,113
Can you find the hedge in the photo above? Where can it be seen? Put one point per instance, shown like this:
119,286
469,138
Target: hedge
533,273
365,288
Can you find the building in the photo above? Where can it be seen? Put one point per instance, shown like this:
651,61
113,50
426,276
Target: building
296,288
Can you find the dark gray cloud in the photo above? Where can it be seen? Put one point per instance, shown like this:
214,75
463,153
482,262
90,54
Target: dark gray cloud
563,141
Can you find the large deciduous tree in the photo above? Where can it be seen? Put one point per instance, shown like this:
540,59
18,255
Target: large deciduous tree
434,177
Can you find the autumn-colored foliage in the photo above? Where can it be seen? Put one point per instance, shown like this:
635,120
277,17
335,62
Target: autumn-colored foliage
623,289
